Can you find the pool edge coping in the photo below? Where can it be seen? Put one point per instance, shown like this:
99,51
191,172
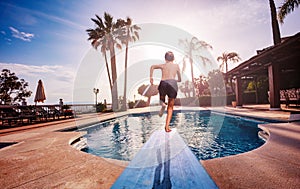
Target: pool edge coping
53,131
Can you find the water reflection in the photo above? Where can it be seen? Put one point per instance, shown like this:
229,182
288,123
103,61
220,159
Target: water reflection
208,135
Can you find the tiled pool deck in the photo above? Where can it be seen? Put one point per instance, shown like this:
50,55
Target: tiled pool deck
43,157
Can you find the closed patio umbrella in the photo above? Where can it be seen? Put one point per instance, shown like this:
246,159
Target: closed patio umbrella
40,93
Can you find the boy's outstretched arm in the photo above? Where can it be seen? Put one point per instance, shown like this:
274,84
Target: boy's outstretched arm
151,72
178,75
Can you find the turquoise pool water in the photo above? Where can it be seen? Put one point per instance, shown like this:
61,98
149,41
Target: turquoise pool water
208,134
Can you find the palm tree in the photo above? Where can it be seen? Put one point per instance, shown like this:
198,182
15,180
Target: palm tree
106,34
191,46
186,88
99,39
233,57
287,7
131,35
225,57
275,26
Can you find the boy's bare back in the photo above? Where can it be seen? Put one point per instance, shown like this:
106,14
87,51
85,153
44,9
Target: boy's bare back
169,71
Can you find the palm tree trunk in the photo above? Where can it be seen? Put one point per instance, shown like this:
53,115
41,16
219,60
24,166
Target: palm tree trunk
125,79
107,69
231,85
256,92
226,64
114,91
192,74
275,26
193,80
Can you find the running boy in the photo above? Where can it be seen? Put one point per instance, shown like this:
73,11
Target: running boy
168,85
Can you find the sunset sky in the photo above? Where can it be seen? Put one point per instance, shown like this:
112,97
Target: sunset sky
47,39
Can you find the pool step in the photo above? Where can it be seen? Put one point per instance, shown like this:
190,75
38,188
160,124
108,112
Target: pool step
80,143
165,161
263,135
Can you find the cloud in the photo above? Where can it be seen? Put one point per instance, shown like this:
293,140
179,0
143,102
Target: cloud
21,35
58,80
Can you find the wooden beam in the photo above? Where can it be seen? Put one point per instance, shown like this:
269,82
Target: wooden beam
274,83
239,92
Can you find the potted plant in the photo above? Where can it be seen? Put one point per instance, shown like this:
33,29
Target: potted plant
233,103
231,97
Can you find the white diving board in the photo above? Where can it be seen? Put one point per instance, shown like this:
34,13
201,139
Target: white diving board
165,161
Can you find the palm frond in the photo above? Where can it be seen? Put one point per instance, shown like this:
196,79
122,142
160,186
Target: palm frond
185,43
233,56
221,66
287,7
120,23
204,60
103,49
128,21
98,21
136,35
108,21
194,40
201,45
118,45
136,27
89,30
220,58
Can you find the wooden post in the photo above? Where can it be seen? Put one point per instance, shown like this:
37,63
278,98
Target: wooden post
274,84
239,92
256,93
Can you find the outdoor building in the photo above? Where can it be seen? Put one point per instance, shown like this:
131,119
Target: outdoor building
281,64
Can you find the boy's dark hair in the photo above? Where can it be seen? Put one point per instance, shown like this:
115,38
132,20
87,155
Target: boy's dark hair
169,56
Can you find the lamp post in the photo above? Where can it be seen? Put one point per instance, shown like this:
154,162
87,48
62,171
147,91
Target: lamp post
96,91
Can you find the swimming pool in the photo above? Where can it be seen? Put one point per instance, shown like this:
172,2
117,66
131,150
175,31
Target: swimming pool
208,134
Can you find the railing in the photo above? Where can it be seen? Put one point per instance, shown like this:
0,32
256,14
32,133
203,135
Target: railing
86,108
83,108
16,115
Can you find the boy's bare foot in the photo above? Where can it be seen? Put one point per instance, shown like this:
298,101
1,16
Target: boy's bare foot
168,130
163,107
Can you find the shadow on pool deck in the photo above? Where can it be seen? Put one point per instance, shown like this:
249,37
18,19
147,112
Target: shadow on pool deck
274,165
43,157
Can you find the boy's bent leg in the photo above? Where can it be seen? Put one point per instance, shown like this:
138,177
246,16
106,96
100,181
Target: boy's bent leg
171,103
163,106
162,109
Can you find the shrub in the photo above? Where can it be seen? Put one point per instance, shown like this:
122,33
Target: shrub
100,107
